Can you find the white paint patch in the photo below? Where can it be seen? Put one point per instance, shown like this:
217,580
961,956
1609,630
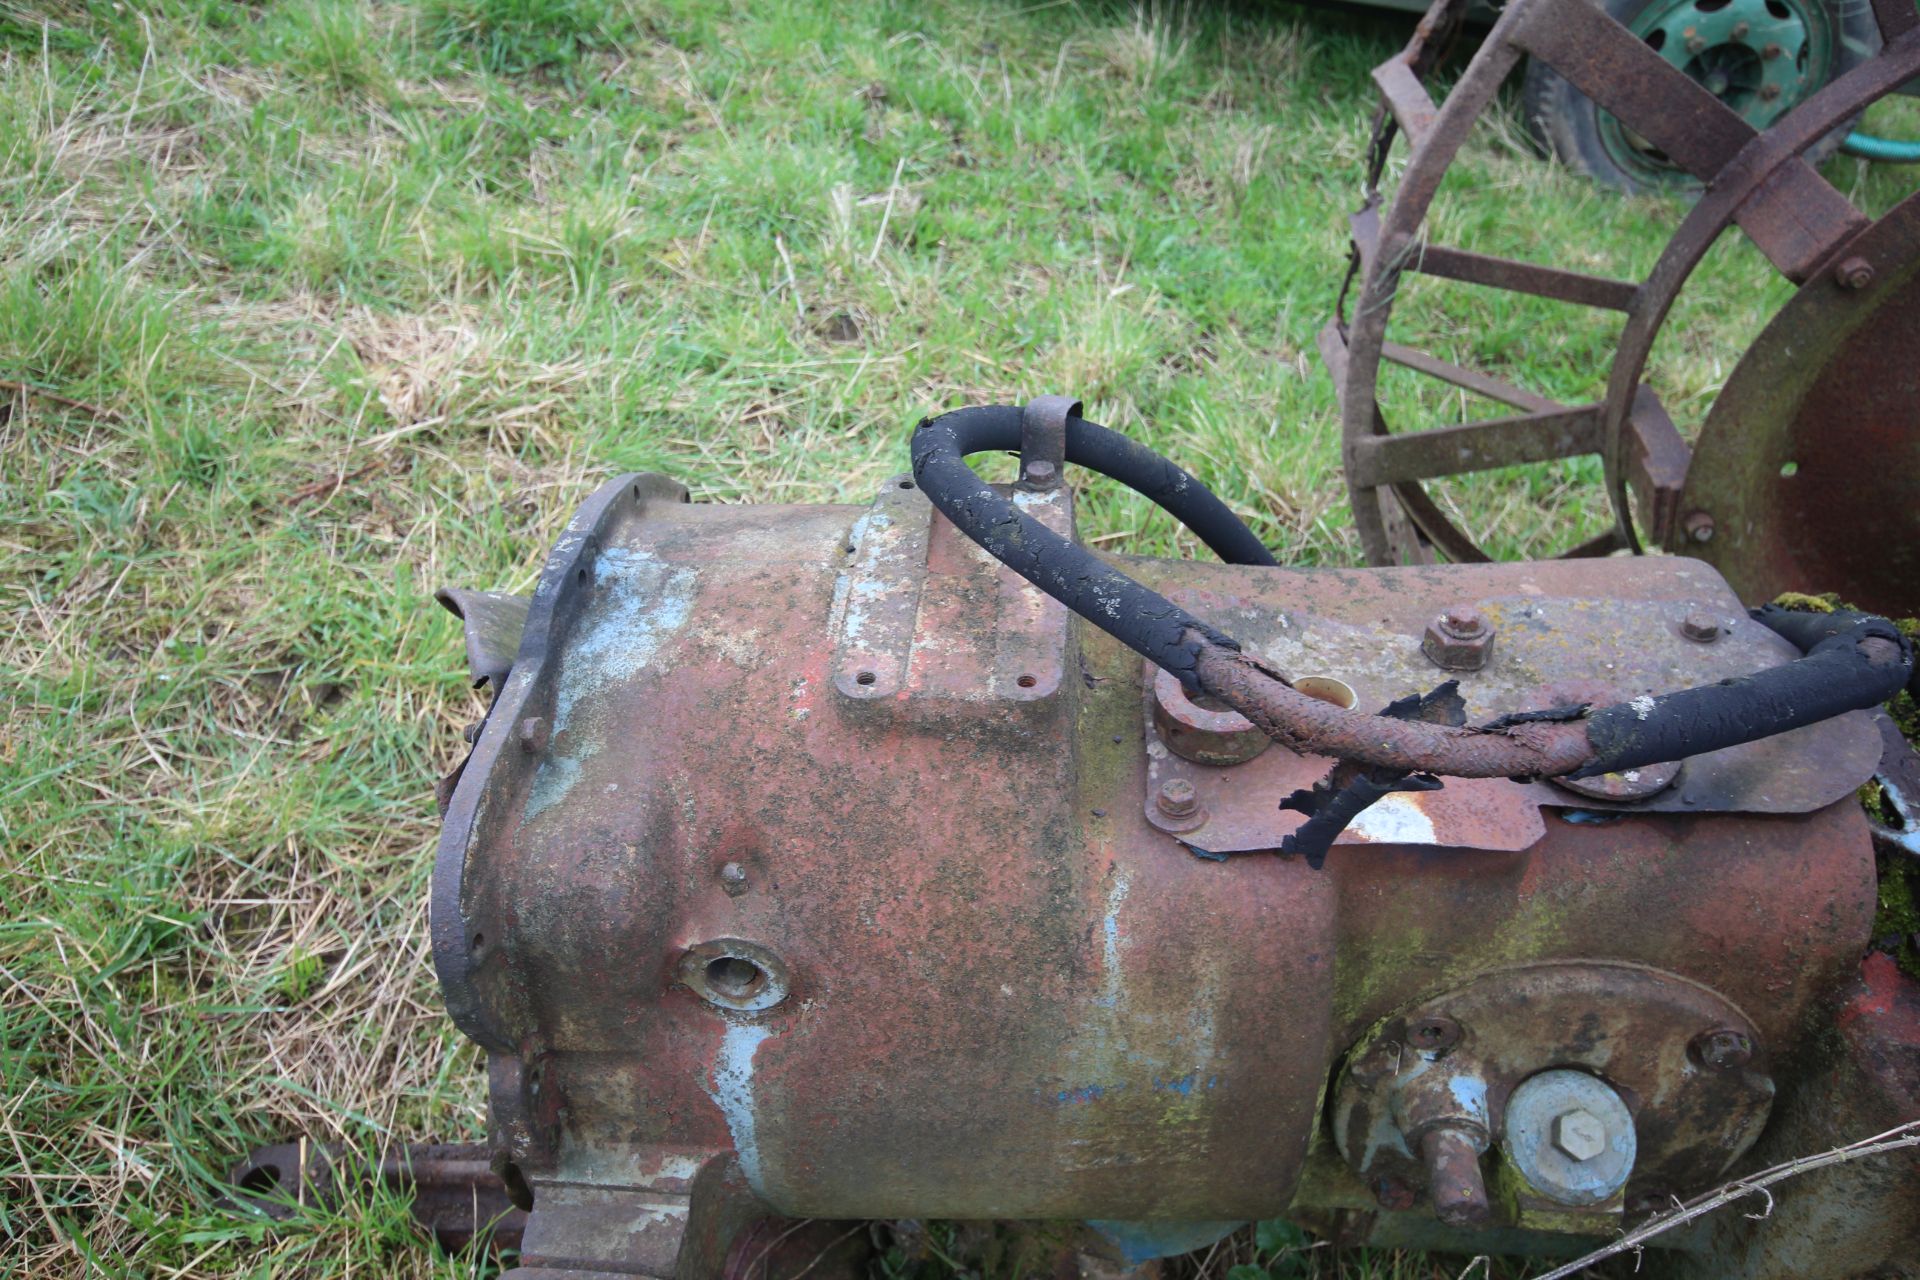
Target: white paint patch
1642,706
732,1092
1396,818
1112,987
638,602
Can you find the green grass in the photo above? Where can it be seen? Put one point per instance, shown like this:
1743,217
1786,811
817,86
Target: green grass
358,299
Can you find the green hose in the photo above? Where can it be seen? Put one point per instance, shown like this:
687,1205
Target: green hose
1891,150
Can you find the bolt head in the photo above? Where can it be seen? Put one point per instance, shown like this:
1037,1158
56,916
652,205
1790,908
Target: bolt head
1768,92
1702,628
1740,30
1696,44
1853,273
1177,798
1041,472
1722,1049
1458,640
534,734
733,879
1699,527
1771,52
1579,1135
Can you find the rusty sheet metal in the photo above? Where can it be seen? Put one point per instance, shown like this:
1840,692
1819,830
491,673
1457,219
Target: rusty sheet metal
1808,463
1365,630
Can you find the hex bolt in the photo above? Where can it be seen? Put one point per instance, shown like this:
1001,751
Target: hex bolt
534,734
1702,628
1177,798
1460,639
1696,44
1040,474
1454,1184
1463,622
1579,1134
1722,1049
1853,273
1771,52
1740,30
733,878
1768,92
1699,527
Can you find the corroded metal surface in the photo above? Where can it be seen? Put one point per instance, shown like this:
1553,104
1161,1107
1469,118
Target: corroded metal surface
710,907
1807,461
1759,182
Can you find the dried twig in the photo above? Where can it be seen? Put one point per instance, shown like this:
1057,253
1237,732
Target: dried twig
26,390
1906,1135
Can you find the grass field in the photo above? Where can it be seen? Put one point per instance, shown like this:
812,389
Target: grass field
332,302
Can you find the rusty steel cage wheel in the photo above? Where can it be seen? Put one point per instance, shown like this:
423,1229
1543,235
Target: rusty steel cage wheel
1791,436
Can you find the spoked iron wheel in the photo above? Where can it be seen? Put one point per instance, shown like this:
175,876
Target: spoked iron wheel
1825,402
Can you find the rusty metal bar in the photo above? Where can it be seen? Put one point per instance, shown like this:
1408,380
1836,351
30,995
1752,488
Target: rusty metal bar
1481,384
1896,18
1524,277
1476,446
1657,461
1407,98
1798,220
1619,72
451,1188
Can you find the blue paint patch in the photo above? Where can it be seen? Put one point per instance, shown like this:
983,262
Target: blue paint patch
1140,1242
1186,1084
1085,1093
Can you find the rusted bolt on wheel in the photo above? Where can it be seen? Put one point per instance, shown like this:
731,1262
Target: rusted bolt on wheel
733,878
1722,1049
1699,527
1460,639
1853,273
534,734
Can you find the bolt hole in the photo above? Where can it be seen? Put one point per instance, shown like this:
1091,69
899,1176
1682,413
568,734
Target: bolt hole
479,941
1711,6
906,484
1026,682
261,1180
733,978
636,493
865,677
1779,10
580,574
1656,38
1789,470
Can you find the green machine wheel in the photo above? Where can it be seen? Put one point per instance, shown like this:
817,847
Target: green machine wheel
1760,57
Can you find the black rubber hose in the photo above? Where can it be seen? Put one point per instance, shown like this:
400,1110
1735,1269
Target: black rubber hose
1090,445
1851,661
1140,618
1835,676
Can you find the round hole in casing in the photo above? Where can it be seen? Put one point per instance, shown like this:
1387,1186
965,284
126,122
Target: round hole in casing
906,484
735,974
1026,682
733,977
865,677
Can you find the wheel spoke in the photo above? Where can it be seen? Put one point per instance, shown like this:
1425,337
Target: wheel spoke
1475,446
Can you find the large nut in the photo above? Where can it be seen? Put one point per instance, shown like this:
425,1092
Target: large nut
1579,1134
1460,639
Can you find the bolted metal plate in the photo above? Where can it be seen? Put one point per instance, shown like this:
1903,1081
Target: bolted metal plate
1634,1028
1560,627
